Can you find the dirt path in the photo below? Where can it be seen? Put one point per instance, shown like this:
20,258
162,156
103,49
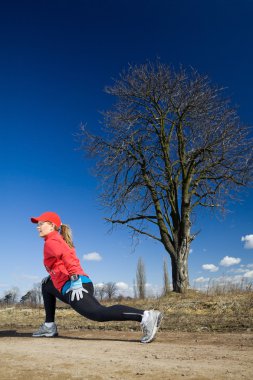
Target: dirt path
96,355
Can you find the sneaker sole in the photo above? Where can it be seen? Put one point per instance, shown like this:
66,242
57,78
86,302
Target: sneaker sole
156,327
45,336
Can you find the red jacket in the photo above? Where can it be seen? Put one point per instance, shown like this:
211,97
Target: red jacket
60,260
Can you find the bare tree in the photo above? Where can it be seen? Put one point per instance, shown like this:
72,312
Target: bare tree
110,290
33,297
25,299
134,289
166,282
11,296
37,293
141,279
100,291
7,298
171,143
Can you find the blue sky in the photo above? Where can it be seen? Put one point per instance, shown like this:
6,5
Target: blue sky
56,57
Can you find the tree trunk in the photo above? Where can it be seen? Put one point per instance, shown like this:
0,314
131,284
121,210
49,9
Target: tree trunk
179,264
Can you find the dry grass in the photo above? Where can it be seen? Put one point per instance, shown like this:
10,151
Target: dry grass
202,312
194,311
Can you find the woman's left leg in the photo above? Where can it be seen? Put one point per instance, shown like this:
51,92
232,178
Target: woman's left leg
50,293
90,308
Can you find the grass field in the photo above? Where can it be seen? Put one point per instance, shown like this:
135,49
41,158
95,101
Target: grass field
191,312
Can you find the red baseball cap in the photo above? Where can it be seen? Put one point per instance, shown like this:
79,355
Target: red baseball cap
48,217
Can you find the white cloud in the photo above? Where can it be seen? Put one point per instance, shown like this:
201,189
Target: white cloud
201,279
228,261
210,267
249,265
248,241
92,256
122,285
239,280
239,270
225,280
249,274
100,285
153,290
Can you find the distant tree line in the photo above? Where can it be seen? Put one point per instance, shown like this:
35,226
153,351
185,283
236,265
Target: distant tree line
105,291
31,298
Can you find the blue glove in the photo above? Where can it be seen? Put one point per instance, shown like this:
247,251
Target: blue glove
77,290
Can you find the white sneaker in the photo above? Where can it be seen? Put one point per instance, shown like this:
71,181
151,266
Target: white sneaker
48,332
151,325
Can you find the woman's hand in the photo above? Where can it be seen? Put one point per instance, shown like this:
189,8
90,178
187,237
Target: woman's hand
77,290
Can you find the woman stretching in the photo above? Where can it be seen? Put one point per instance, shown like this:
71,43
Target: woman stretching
68,282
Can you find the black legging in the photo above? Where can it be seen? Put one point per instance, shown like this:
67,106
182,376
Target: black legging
88,306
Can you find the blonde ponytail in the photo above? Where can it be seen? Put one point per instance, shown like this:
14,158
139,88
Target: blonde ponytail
66,233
